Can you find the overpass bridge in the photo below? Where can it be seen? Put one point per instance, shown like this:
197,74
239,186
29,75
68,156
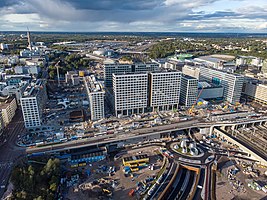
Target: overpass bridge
138,135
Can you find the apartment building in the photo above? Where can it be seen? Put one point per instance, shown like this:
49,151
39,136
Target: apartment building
164,90
117,68
96,95
2,126
130,93
255,90
8,109
189,90
33,102
232,83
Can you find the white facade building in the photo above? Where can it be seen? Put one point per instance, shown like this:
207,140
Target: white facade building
96,96
232,83
130,93
27,69
164,90
189,90
191,71
255,91
8,109
2,126
33,102
117,68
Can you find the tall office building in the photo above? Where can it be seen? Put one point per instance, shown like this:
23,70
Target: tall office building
33,102
164,90
232,83
255,90
264,67
96,96
189,90
117,68
8,109
2,126
130,93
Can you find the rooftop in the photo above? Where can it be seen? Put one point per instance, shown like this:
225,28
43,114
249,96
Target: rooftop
233,74
4,103
189,77
34,87
92,84
209,59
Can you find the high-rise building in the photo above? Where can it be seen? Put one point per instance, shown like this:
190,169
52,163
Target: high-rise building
117,68
164,90
255,90
232,83
96,96
8,108
264,67
33,102
2,126
191,71
189,90
130,93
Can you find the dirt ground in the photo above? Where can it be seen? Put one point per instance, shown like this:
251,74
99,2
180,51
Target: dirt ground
124,184
224,191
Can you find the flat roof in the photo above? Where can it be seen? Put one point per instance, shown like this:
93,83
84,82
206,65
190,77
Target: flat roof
92,84
33,88
226,72
209,59
189,77
5,103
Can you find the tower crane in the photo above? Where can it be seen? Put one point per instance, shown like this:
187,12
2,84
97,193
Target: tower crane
191,110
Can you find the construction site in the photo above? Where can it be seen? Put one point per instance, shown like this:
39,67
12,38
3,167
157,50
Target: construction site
129,174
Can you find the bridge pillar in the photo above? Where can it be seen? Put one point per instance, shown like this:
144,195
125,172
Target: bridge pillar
206,130
189,130
211,130
233,127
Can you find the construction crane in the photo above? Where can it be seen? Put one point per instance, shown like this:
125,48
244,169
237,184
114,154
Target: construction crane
191,110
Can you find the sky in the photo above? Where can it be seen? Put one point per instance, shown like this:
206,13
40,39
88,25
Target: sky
134,15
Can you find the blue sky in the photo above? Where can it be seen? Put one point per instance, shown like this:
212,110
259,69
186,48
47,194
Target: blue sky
134,15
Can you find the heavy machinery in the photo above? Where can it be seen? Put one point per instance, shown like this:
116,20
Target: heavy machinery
191,111
107,192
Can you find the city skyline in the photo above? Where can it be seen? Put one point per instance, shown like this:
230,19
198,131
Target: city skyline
142,15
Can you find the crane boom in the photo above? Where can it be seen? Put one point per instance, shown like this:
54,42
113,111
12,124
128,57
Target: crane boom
192,107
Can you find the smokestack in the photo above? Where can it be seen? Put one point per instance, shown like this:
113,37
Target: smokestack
29,39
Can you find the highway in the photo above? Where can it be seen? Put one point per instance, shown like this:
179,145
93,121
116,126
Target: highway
100,140
182,186
197,195
134,134
9,152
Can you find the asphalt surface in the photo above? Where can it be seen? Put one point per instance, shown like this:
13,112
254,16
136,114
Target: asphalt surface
122,136
9,151
113,138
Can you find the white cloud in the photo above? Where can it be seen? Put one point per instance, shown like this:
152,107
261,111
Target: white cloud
138,15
